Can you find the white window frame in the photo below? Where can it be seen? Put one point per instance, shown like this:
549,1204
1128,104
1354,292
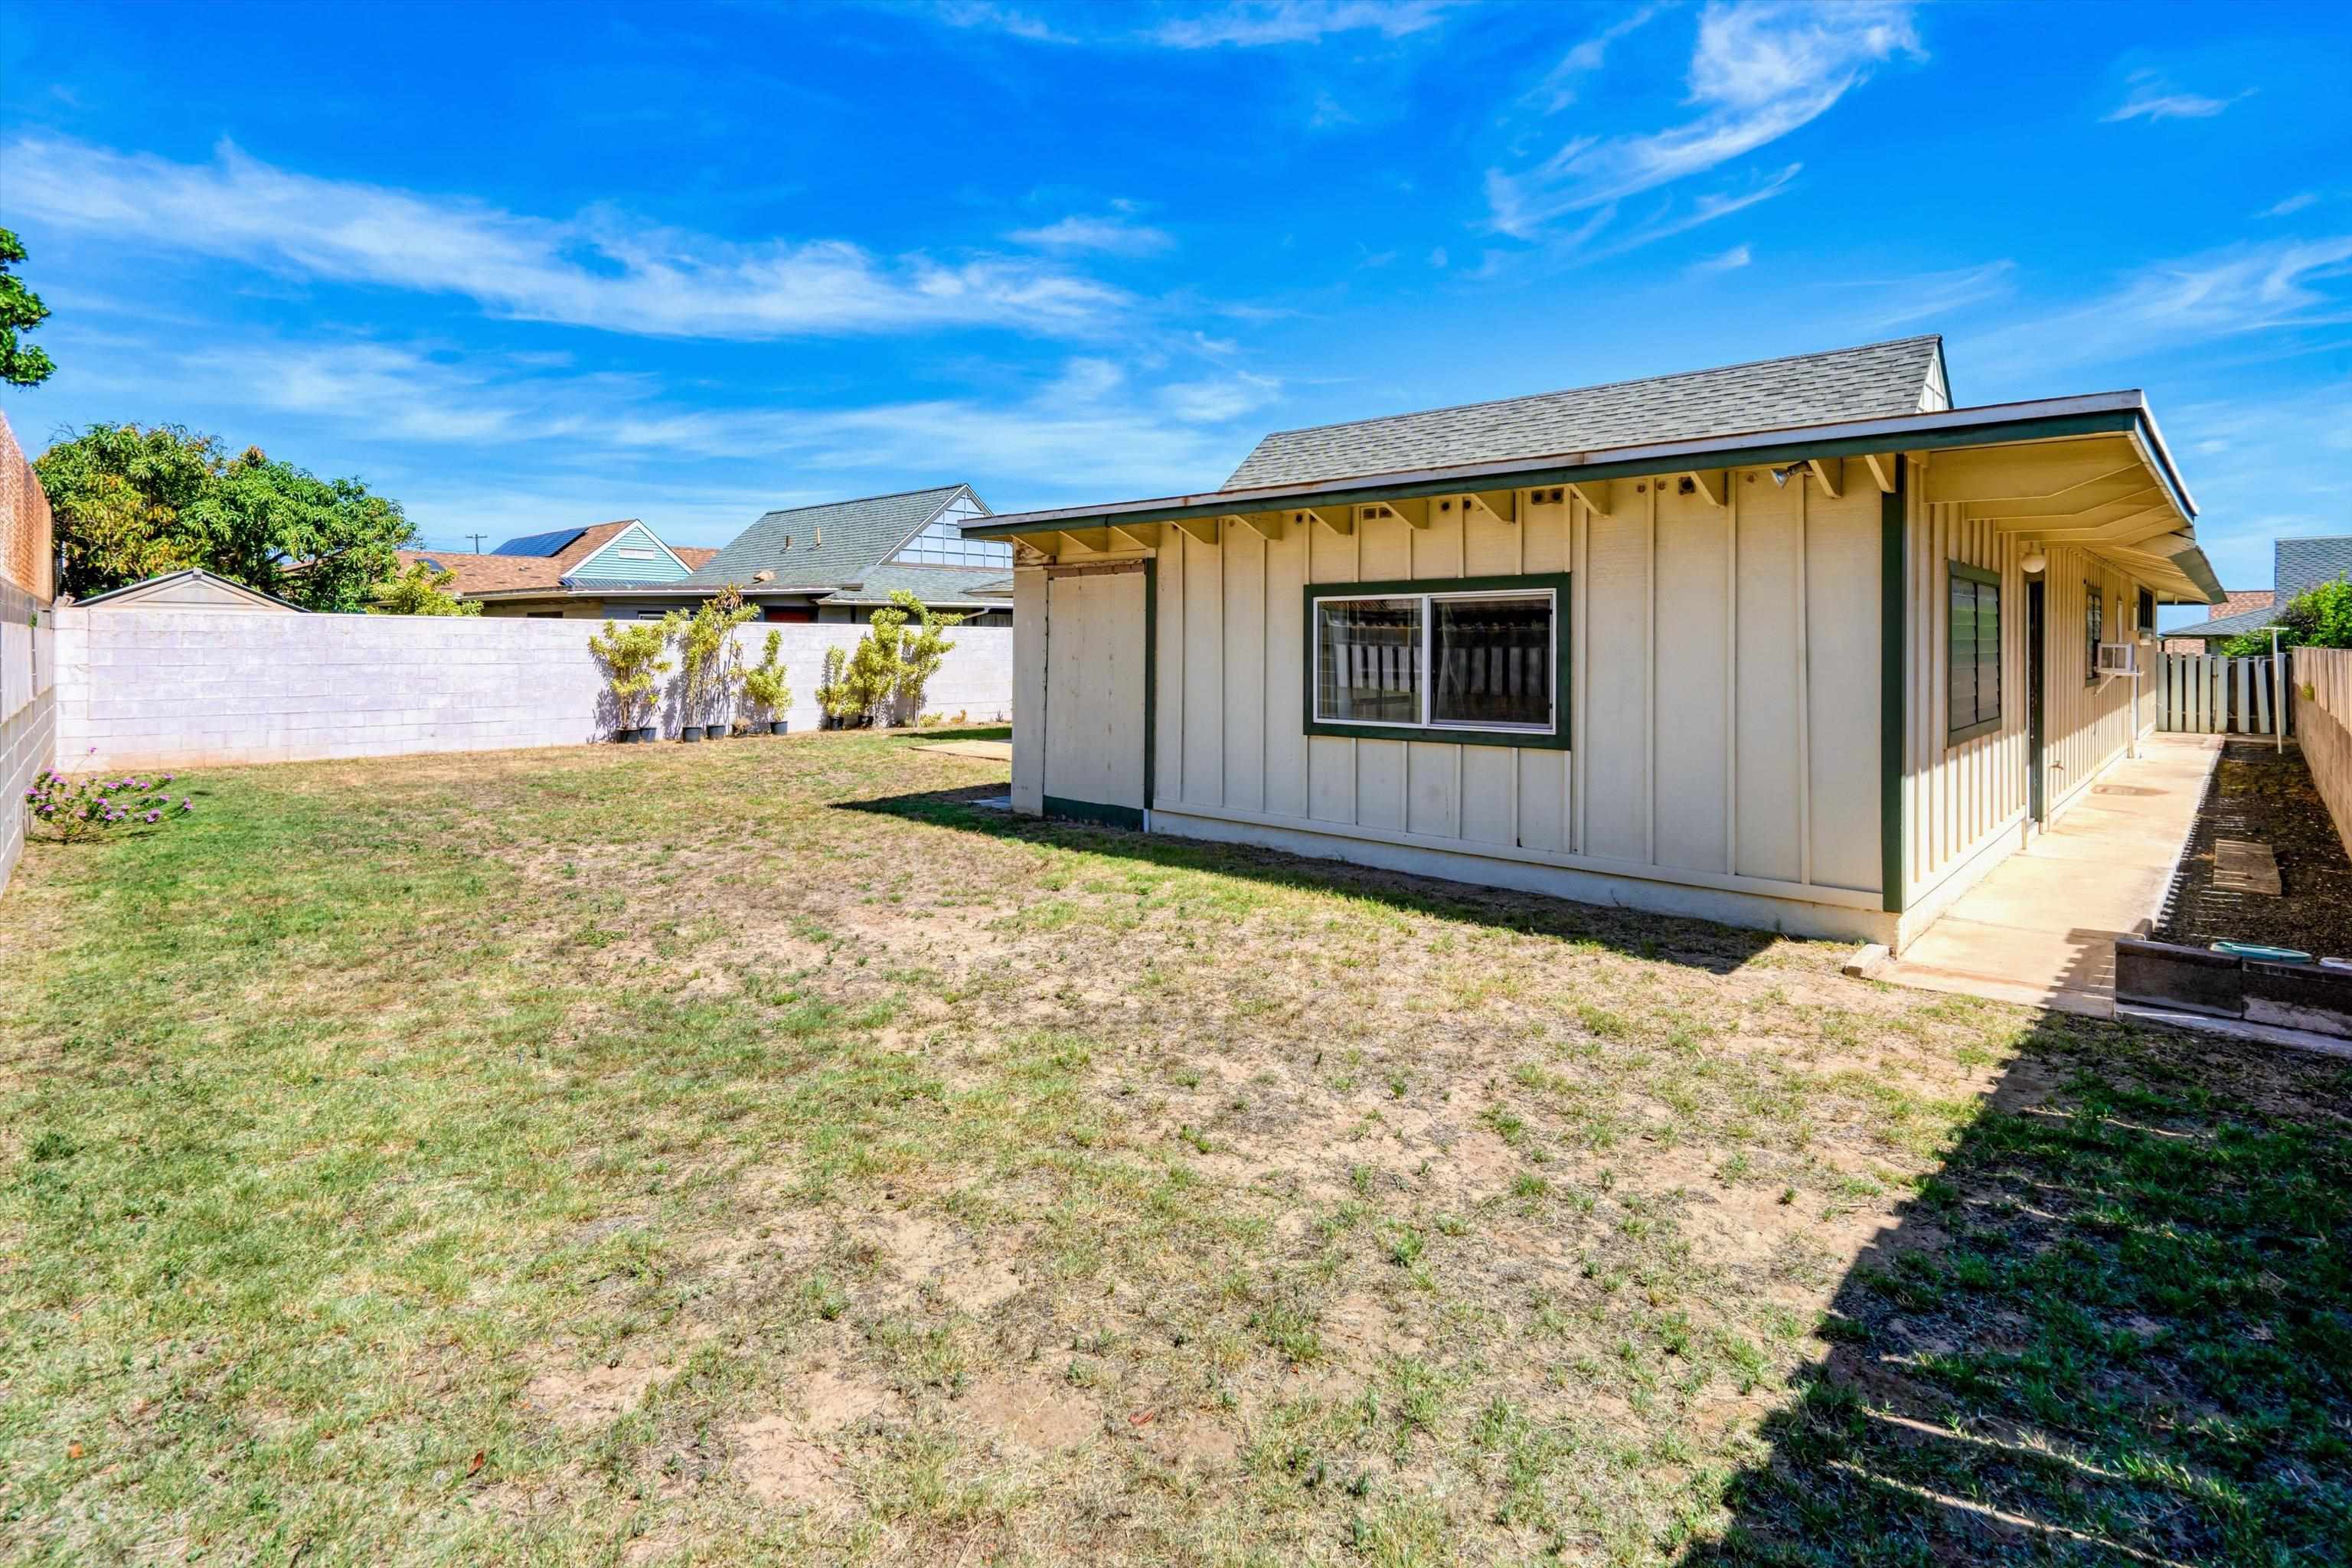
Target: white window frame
1425,687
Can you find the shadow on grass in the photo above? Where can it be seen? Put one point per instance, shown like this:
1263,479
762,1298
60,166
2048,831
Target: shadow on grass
1700,943
2116,1327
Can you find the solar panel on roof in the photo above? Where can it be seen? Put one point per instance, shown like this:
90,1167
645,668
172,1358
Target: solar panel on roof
539,543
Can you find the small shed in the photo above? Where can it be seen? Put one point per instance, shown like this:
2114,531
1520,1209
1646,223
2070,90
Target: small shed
1796,644
193,589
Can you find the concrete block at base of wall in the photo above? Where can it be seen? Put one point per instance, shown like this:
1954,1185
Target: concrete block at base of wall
2313,998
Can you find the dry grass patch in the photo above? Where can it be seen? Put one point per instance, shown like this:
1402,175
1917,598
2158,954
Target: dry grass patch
758,1153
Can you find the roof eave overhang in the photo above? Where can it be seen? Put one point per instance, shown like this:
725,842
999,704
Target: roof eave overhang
2048,419
2124,414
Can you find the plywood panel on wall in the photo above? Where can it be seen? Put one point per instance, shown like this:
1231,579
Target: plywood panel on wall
1616,649
1841,705
1765,734
1246,655
1094,669
1693,565
1202,771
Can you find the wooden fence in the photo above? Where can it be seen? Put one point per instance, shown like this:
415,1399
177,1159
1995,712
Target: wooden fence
2323,722
2207,694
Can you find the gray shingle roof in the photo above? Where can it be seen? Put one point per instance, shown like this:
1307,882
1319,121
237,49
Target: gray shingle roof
2299,564
932,584
857,535
2308,563
1874,381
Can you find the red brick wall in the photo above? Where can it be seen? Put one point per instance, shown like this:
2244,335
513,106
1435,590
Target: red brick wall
27,556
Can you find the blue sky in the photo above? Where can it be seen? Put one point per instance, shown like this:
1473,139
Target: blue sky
525,266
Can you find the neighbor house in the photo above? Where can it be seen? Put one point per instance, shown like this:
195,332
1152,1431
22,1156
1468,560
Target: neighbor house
841,560
1792,644
565,572
192,589
2298,566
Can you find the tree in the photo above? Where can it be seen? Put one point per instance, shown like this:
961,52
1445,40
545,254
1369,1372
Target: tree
632,657
2319,616
705,646
883,678
20,311
119,494
131,502
763,683
423,590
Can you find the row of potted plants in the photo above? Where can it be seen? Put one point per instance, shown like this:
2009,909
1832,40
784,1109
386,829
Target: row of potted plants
711,679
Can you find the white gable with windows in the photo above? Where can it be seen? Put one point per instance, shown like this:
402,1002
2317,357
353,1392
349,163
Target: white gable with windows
940,541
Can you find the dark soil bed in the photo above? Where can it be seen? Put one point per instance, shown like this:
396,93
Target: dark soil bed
2267,797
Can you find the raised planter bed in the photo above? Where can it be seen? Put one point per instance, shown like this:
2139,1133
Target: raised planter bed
2315,997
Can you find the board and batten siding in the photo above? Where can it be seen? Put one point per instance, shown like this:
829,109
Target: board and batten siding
1968,804
1723,701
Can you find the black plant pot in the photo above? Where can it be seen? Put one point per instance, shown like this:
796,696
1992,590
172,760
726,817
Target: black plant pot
780,727
645,736
690,732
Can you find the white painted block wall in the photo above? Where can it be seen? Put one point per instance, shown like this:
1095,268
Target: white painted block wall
163,688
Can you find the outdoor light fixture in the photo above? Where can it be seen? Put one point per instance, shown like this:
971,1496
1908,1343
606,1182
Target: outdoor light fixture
1781,477
2033,560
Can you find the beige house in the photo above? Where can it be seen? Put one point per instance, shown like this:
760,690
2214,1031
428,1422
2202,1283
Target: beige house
1795,644
192,589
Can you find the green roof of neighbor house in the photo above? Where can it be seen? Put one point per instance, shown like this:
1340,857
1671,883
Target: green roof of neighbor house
1874,381
2298,565
827,545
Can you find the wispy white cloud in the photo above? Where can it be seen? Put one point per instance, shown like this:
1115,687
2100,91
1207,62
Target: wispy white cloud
1760,69
1254,23
996,18
1558,89
1092,423
1925,296
1731,260
596,270
2153,98
1110,235
2276,287
2293,203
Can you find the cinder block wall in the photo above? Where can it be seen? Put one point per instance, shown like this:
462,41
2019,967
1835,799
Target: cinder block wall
160,687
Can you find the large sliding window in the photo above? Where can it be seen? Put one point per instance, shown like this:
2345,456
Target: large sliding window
1974,654
2092,631
1482,660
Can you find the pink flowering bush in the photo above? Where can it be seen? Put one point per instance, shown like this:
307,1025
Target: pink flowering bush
74,809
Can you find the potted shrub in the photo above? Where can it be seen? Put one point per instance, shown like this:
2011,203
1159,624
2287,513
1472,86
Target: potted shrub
632,657
708,659
765,690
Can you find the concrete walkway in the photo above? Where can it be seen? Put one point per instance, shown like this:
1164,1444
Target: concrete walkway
2042,926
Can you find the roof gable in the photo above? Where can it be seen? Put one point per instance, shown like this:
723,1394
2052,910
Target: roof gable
827,544
633,554
192,588
1873,381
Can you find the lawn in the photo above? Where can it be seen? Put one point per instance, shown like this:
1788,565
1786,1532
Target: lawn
758,1153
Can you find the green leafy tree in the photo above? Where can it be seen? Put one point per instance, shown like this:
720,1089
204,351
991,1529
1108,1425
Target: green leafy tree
709,661
2319,616
423,590
883,678
763,683
132,502
920,652
20,311
632,657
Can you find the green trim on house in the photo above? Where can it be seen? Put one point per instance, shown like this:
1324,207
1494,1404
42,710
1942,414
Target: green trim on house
1894,682
1969,573
1557,739
1094,812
